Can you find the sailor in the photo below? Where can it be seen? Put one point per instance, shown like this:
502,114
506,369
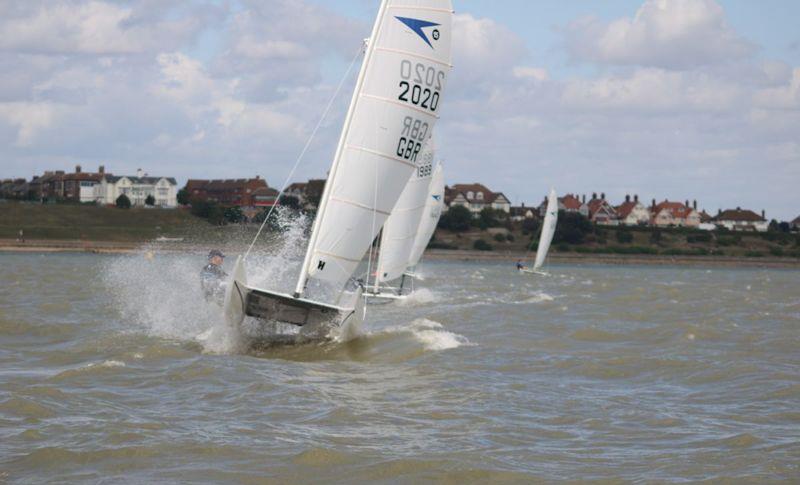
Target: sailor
213,276
520,266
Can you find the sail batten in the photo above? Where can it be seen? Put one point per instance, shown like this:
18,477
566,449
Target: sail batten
397,103
412,54
393,111
384,155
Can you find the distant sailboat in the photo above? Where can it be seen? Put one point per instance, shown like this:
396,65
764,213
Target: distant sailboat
407,227
548,230
392,114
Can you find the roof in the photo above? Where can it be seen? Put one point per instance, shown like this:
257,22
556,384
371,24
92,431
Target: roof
95,177
570,202
301,186
796,221
739,215
489,197
223,184
139,180
597,205
678,210
522,211
625,209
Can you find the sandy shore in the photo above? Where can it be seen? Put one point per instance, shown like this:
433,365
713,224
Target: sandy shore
113,247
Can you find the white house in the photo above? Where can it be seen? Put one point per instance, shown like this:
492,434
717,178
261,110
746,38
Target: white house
633,212
163,189
475,197
742,220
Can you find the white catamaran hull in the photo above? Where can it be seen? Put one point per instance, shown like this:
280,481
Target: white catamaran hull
242,300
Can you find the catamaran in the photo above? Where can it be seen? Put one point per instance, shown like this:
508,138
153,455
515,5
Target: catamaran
548,230
395,105
409,229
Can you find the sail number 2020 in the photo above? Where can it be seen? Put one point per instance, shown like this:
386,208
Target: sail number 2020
420,84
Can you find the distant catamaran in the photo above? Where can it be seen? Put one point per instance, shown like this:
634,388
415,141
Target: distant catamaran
548,230
394,108
409,228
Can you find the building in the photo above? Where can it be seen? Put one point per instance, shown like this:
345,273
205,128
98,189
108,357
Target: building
476,197
741,220
15,189
521,213
137,188
49,186
667,214
568,203
297,190
308,193
79,185
230,192
796,224
632,212
265,197
601,212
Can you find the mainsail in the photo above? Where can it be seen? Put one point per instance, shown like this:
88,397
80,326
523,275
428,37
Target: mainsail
548,229
400,230
430,216
394,108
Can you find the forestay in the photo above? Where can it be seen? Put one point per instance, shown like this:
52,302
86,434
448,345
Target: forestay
430,216
548,229
400,230
395,106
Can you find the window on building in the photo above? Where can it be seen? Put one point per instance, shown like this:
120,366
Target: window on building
470,195
479,195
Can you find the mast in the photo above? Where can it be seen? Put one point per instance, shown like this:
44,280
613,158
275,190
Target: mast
303,279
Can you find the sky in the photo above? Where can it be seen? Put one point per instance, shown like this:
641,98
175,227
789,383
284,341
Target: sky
667,99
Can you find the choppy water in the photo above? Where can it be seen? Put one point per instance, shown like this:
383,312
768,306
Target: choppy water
594,373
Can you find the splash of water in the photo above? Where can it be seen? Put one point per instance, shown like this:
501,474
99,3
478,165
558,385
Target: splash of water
162,294
420,296
431,335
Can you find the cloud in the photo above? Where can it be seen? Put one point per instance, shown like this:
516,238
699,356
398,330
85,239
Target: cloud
29,119
653,90
785,97
671,34
95,27
170,87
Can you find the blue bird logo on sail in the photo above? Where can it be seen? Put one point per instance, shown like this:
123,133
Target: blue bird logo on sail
416,25
436,197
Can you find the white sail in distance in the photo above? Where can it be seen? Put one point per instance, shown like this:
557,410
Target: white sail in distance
430,216
395,105
400,229
548,230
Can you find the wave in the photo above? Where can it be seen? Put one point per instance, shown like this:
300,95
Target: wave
430,334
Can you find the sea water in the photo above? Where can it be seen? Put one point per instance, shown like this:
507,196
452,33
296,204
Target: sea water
114,368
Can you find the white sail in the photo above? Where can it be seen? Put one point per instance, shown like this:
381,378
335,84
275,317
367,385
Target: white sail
395,106
400,230
430,216
548,229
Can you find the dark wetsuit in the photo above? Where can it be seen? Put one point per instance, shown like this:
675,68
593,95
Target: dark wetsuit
212,281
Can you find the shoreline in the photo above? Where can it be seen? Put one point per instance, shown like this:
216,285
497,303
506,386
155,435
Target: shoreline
114,247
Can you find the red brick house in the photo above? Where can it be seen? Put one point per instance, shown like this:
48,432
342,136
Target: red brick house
229,192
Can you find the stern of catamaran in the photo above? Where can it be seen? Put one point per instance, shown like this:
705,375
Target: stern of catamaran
243,300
